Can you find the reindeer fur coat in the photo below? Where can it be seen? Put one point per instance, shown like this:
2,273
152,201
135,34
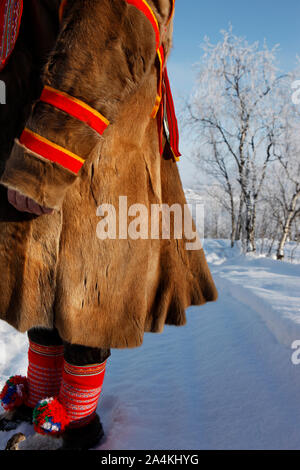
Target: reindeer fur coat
54,270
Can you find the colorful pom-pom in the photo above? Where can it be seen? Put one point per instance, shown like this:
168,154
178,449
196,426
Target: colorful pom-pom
50,417
14,392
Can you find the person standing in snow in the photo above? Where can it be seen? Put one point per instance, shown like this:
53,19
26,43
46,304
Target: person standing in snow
83,125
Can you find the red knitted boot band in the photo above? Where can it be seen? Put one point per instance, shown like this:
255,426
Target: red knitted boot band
80,391
44,372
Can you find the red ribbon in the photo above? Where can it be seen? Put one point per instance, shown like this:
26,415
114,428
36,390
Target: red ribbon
51,151
164,109
75,107
171,116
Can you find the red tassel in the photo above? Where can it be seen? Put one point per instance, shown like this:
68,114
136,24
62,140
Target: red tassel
50,417
14,392
171,117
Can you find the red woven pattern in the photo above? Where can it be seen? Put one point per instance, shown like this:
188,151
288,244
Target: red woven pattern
80,391
10,20
44,372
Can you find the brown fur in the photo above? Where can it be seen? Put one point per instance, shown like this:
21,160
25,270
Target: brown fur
54,270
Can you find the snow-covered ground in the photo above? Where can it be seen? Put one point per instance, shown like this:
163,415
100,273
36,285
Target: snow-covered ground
224,381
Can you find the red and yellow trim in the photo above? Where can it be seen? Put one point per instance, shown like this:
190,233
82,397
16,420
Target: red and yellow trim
172,11
75,107
163,83
51,151
145,8
88,370
57,350
85,113
161,57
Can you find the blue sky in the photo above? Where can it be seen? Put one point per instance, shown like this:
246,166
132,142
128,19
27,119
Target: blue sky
277,21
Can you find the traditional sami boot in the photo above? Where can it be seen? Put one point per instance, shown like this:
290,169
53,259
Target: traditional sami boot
72,415
20,394
84,437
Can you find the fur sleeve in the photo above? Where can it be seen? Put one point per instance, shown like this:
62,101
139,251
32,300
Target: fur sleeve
103,52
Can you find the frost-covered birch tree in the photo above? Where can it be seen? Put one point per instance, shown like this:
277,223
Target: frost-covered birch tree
236,117
282,192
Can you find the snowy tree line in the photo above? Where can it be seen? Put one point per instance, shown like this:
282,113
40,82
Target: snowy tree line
244,115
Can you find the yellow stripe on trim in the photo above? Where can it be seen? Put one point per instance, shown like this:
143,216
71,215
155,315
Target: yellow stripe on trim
79,102
172,12
176,158
52,144
158,97
156,106
152,12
